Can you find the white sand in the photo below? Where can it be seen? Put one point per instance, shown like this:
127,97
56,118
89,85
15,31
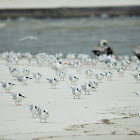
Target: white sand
64,3
113,99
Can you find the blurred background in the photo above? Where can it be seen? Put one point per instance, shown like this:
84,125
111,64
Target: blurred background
69,26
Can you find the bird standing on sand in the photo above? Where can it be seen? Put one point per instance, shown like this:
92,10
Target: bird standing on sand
99,77
109,75
125,64
73,79
40,61
17,97
62,75
43,114
36,76
53,82
121,71
111,66
58,66
136,76
26,71
15,72
76,91
34,110
7,86
78,67
87,88
93,84
89,73
22,79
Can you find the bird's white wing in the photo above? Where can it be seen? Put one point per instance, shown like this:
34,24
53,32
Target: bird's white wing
139,113
24,38
32,38
0,83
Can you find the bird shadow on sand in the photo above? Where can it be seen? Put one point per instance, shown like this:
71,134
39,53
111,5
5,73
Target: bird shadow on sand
75,98
54,88
17,105
47,122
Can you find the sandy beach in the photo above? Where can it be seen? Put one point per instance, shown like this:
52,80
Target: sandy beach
109,112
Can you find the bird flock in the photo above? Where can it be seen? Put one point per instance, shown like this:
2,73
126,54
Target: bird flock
60,65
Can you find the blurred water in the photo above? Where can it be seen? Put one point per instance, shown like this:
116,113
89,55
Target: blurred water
74,35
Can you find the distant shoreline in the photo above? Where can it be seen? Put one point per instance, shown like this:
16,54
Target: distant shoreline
70,12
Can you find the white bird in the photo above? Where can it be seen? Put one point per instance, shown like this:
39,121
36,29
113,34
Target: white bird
5,55
121,71
11,68
29,57
139,113
107,58
71,56
94,84
62,75
137,68
109,75
22,79
89,73
99,77
87,88
40,61
60,55
76,91
78,67
73,79
26,71
111,66
58,66
7,86
134,58
94,62
125,64
72,63
17,97
36,76
14,60
43,114
136,76
34,110
87,60
51,59
53,82
137,93
19,55
15,72
32,38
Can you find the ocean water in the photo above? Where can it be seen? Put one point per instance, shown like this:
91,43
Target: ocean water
70,35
